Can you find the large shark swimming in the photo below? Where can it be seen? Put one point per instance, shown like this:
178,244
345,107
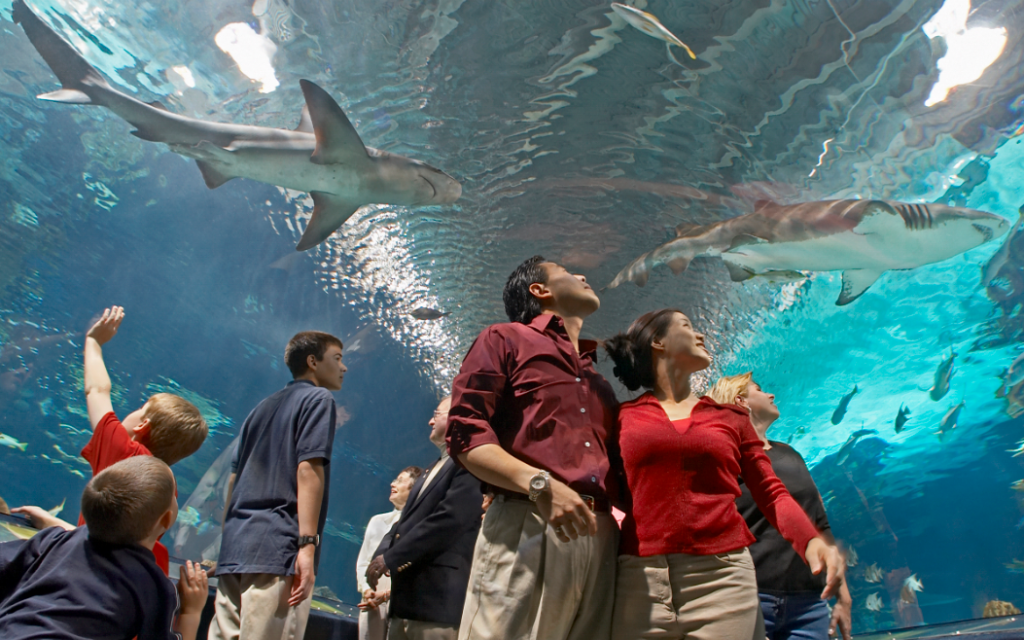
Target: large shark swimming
323,155
861,238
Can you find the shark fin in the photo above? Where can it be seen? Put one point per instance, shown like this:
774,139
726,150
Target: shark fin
211,175
329,213
738,273
67,96
687,230
678,265
75,74
336,139
744,240
305,123
156,104
855,283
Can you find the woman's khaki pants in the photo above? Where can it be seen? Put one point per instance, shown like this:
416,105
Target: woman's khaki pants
677,596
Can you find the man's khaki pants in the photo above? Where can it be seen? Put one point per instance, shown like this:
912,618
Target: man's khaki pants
402,629
526,584
254,606
677,596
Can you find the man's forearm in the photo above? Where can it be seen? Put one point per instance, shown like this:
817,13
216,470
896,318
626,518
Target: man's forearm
495,466
310,478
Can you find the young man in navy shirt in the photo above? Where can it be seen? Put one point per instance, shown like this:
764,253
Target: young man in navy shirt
101,581
277,504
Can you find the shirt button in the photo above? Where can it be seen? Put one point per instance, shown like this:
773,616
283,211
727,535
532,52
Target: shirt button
583,410
577,379
586,444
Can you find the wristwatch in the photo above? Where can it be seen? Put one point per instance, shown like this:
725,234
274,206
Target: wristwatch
313,540
539,484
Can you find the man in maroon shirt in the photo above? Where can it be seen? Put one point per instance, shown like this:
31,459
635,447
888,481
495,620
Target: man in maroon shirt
532,418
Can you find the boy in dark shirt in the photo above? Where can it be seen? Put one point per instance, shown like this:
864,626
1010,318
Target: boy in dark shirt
277,505
101,581
167,426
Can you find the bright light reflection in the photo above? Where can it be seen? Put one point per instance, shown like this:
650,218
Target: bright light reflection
251,52
969,51
186,75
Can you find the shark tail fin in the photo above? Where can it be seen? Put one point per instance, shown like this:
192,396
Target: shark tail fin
75,74
329,213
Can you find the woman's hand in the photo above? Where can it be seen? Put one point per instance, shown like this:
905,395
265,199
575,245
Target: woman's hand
821,555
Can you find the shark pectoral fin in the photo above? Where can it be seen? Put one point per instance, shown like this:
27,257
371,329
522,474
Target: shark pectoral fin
336,139
738,273
855,283
305,123
329,213
678,265
211,175
744,240
67,96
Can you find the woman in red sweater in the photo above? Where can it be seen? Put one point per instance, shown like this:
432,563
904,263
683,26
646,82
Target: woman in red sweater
684,569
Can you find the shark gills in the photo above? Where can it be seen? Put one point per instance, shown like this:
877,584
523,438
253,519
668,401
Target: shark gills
861,238
323,156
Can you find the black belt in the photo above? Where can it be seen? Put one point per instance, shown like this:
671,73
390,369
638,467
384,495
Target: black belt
596,505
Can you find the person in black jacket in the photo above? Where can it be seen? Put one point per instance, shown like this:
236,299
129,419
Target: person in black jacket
430,549
788,591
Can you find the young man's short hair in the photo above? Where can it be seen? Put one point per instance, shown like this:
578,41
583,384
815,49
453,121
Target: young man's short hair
520,304
123,503
305,344
176,428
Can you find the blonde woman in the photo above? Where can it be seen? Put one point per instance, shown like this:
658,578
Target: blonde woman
684,570
790,594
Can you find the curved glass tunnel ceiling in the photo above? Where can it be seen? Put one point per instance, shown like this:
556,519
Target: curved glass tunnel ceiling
574,136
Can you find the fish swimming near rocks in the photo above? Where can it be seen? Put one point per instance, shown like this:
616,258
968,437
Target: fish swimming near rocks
56,510
8,441
1018,485
1012,377
948,422
901,417
861,238
851,557
424,313
323,155
840,412
1017,451
847,448
872,573
650,25
943,374
873,602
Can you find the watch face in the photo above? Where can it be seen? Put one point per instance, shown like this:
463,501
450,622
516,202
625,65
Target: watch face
538,484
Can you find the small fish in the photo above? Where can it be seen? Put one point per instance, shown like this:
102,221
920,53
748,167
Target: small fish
872,573
913,583
873,602
56,510
424,313
837,415
851,558
847,448
1016,452
1018,485
650,25
76,472
942,377
1016,566
949,420
901,417
8,441
189,517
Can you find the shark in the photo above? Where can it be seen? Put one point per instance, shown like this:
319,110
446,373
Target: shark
323,155
861,238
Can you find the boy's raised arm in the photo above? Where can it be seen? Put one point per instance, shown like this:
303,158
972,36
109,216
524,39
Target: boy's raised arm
97,381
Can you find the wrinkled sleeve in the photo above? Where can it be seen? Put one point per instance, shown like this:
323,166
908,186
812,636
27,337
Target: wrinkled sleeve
769,493
477,394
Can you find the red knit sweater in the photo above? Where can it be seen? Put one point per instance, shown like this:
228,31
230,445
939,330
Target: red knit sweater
683,479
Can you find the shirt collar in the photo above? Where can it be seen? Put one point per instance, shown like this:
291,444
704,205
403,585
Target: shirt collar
301,381
549,321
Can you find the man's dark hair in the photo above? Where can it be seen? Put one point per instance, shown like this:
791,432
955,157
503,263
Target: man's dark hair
123,503
520,304
305,344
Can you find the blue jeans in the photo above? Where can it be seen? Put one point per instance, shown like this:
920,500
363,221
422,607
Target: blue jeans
796,617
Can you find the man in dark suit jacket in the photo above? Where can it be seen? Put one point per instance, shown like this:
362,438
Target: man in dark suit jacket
429,551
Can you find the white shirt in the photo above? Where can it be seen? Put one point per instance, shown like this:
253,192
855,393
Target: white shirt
376,529
433,472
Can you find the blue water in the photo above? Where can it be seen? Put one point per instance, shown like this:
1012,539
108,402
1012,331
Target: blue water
575,136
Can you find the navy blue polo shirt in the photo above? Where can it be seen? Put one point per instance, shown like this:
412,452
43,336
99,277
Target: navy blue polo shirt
60,585
261,527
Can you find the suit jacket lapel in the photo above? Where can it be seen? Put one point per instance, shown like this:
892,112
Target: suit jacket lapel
436,482
413,493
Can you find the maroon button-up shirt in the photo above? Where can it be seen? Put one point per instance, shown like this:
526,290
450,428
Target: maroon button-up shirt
524,387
